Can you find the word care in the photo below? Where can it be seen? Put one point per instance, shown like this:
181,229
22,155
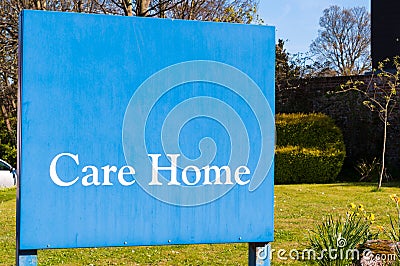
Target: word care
109,174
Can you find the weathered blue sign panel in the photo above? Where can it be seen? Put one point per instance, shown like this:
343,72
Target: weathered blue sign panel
139,131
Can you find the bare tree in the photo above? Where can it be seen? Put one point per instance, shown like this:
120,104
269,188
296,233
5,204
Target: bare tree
285,70
344,40
381,96
239,11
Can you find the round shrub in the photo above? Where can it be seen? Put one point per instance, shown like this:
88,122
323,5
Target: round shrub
309,149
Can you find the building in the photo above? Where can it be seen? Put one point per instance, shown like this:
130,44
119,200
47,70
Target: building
385,30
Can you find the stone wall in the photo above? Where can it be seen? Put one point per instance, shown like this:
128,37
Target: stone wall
362,129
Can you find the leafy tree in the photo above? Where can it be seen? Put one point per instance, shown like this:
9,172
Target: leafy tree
8,149
381,96
8,69
344,40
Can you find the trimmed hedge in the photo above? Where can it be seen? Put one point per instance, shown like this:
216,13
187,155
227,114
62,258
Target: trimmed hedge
309,149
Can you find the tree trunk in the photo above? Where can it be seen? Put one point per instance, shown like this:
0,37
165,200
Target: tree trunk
141,7
144,5
383,151
6,119
127,7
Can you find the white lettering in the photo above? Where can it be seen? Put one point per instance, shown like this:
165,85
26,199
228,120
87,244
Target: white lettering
53,170
173,158
184,175
94,176
238,173
122,173
106,170
217,171
156,168
191,175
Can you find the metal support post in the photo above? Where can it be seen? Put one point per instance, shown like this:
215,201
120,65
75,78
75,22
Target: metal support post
27,258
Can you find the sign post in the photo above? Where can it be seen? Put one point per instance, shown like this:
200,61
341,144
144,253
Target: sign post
139,131
26,257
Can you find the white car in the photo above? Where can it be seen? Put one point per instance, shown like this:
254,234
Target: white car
7,175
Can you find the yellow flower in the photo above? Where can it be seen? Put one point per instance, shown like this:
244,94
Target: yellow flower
352,205
380,228
372,217
360,207
394,198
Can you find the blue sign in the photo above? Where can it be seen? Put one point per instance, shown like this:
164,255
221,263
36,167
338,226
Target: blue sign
140,131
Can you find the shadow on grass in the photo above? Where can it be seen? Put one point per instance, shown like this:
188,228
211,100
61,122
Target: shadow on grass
373,185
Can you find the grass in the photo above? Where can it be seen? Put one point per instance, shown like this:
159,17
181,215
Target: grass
298,208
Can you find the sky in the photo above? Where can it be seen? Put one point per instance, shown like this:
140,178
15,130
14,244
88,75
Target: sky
296,21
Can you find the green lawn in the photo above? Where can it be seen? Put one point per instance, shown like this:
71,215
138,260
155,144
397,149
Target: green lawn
298,208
